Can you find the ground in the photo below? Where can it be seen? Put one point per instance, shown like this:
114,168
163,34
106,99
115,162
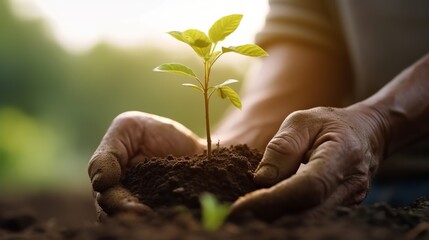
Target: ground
163,183
72,216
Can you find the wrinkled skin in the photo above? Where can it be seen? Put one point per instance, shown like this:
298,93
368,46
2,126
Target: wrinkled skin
341,148
131,138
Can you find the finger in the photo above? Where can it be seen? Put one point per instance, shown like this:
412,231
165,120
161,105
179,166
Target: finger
284,198
101,215
104,171
113,153
117,200
303,191
287,150
350,193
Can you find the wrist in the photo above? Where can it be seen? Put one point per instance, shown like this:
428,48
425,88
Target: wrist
403,106
375,124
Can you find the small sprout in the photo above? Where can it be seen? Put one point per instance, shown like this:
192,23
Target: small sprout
204,46
213,213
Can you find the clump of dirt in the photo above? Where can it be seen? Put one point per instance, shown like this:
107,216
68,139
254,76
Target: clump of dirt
169,181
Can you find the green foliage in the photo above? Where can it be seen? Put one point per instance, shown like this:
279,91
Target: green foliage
193,86
27,149
175,68
205,47
224,26
251,50
227,92
213,212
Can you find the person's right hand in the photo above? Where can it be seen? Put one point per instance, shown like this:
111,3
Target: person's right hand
341,147
132,137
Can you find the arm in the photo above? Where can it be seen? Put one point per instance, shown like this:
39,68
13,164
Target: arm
293,77
307,67
404,104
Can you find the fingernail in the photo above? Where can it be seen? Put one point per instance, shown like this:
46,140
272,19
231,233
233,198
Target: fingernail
267,172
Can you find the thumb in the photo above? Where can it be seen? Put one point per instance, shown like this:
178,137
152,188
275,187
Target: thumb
286,150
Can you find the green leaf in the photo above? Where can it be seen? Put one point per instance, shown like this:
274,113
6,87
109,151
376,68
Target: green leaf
175,68
251,50
227,82
213,212
224,27
178,35
193,86
199,41
228,92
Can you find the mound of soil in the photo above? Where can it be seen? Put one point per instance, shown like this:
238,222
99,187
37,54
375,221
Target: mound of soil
171,181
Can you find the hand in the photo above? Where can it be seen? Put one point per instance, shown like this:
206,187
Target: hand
132,137
341,148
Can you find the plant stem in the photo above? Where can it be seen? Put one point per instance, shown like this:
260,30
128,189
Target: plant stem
206,108
209,140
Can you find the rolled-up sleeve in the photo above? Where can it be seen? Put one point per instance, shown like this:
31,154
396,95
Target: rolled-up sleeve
301,21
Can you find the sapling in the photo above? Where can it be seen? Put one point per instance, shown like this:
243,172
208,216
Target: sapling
206,47
213,213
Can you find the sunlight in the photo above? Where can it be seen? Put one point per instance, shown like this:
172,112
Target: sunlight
80,24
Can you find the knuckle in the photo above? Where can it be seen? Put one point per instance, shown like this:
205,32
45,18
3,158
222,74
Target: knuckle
309,116
320,188
302,121
103,161
283,144
315,189
355,156
129,118
297,117
362,185
358,189
104,171
360,161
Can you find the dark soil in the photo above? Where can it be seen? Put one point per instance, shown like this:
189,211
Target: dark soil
51,217
171,181
166,183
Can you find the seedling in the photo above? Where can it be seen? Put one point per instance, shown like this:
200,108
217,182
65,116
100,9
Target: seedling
205,46
213,212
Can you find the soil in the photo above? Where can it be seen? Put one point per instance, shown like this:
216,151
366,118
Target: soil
50,216
157,183
171,181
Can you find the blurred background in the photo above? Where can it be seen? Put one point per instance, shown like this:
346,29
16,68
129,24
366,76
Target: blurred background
67,68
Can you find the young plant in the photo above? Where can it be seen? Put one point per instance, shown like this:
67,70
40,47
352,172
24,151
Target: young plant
213,212
205,46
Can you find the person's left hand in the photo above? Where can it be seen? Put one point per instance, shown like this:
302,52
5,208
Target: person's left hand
131,138
342,149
